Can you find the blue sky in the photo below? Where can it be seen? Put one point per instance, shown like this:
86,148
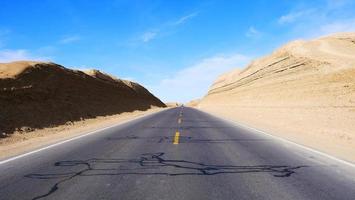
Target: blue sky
174,48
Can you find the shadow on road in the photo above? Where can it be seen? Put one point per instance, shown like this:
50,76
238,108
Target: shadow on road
185,127
150,164
183,139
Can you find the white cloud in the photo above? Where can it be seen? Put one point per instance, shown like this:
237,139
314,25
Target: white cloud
185,18
294,16
253,33
333,4
323,12
148,36
194,81
164,28
8,55
69,39
330,17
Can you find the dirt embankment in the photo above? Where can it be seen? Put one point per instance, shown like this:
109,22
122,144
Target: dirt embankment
36,95
304,91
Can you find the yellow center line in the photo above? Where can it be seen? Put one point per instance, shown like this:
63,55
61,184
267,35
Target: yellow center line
176,138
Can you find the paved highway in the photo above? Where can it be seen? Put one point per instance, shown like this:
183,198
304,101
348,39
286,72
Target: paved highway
179,153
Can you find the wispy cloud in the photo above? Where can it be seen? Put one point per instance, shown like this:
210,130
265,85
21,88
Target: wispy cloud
253,33
333,4
152,34
148,36
294,16
185,18
330,17
193,81
69,39
9,55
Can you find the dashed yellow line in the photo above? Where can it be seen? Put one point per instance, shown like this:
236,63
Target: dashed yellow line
176,138
179,120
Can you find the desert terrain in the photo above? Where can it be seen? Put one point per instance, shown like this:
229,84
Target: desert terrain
304,92
38,97
172,104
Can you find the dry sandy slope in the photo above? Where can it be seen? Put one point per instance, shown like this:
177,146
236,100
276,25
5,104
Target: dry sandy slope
36,95
304,91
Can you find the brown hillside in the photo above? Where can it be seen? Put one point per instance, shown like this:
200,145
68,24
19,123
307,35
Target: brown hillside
37,95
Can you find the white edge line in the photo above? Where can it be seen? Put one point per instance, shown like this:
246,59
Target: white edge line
286,141
74,138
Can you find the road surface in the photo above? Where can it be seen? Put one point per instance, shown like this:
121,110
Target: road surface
179,153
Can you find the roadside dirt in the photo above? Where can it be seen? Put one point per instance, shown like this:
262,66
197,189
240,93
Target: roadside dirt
19,143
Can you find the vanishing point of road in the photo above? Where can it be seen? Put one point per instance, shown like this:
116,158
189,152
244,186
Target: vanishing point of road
178,153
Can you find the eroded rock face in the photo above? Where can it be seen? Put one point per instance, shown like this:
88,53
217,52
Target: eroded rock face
311,73
304,91
37,95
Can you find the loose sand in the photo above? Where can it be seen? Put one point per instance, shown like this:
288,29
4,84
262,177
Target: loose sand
304,91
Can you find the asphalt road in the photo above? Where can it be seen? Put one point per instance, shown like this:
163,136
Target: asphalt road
147,159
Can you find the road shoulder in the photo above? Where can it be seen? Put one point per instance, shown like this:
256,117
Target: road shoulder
21,143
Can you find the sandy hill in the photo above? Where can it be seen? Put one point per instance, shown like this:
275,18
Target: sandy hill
172,104
115,81
37,95
193,103
304,91
323,60
225,79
